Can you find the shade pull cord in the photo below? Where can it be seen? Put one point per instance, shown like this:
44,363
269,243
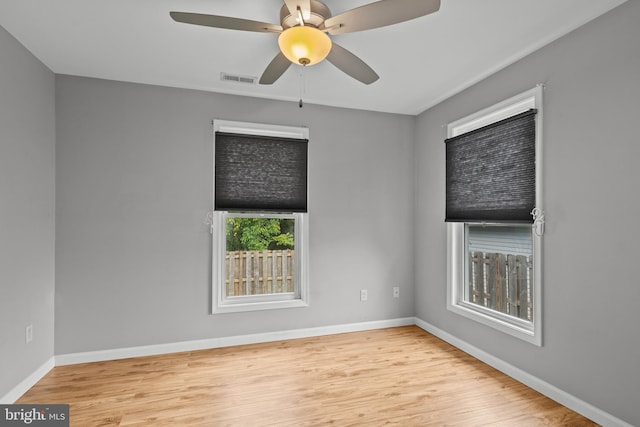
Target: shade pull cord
209,221
538,221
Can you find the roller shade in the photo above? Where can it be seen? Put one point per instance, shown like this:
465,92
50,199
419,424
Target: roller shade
490,172
260,173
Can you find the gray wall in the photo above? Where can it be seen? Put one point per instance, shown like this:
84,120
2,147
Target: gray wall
134,176
591,150
27,204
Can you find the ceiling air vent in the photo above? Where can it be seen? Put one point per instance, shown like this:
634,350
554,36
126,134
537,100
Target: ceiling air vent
225,77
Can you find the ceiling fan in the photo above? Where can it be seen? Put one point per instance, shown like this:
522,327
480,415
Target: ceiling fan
304,28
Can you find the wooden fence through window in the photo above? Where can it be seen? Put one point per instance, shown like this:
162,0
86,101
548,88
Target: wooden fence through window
502,282
259,272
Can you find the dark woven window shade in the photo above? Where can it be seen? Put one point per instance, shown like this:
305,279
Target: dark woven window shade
260,173
491,172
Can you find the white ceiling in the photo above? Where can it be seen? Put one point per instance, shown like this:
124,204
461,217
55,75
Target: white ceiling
420,62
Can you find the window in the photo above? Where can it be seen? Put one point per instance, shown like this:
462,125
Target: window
494,216
259,222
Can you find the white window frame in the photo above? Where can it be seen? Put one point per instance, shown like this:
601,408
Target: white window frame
456,244
300,297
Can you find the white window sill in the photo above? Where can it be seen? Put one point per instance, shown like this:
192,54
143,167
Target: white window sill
524,331
258,306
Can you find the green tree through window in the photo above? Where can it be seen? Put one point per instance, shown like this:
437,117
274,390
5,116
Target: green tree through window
260,234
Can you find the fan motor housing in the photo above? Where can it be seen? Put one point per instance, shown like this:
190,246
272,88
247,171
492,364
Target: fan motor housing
319,12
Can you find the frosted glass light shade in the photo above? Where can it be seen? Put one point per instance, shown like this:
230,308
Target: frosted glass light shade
304,45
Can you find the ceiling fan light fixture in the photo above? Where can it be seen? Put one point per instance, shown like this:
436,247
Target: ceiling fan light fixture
304,45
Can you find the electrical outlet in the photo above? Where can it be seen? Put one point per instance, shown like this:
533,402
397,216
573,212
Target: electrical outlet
396,291
28,334
363,295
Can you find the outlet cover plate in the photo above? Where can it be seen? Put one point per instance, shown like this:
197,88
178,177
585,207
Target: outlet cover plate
28,334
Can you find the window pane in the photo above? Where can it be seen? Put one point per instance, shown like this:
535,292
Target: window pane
500,268
260,257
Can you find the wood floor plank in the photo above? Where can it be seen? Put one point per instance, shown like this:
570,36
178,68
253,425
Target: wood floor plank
397,376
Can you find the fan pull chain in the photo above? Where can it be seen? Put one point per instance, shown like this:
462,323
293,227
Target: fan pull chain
302,86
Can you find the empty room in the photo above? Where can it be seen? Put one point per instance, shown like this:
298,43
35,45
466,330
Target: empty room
283,213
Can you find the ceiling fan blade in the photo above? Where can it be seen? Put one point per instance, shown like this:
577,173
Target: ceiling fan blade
225,22
275,69
379,14
304,5
351,65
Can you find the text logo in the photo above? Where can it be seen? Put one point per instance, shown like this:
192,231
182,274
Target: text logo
34,415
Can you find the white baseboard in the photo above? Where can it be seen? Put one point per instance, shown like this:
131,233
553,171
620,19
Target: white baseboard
16,392
150,350
599,416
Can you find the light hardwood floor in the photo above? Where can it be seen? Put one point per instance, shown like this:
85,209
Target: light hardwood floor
397,376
